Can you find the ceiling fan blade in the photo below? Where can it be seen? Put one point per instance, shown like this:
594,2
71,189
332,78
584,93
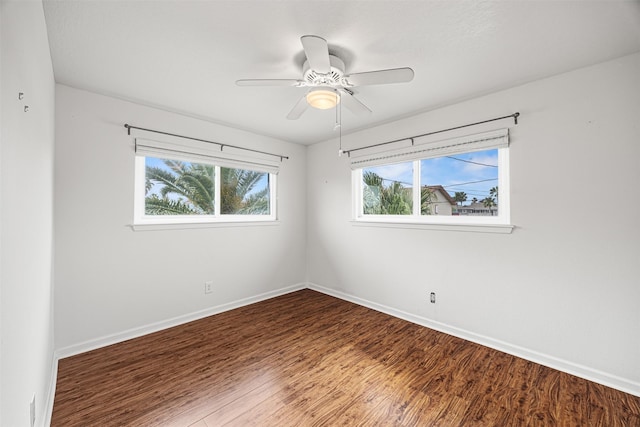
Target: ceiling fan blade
269,82
298,109
381,77
353,104
317,52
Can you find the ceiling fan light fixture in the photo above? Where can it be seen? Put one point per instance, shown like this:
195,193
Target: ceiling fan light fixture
323,98
323,76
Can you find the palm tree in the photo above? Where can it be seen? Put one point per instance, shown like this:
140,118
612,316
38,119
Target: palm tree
235,192
459,197
189,189
380,199
489,202
185,189
494,193
392,199
474,200
427,198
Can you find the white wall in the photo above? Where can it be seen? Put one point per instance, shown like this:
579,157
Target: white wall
112,282
26,186
563,288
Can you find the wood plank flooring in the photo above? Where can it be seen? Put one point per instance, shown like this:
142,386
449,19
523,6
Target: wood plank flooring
308,359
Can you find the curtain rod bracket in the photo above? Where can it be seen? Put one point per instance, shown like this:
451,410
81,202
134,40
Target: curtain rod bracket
515,118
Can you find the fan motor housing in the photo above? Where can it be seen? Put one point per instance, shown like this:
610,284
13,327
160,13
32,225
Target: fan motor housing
333,78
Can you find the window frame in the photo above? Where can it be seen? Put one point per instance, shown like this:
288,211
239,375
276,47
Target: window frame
144,221
497,223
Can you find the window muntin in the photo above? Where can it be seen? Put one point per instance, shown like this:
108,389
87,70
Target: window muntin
465,188
172,191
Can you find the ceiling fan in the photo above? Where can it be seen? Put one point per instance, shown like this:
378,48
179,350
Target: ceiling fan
324,74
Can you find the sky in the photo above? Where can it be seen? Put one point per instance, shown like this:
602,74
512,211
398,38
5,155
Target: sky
474,173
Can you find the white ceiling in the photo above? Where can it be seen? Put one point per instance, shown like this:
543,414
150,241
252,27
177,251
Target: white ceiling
185,56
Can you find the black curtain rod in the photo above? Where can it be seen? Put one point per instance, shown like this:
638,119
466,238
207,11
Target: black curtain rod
129,127
514,115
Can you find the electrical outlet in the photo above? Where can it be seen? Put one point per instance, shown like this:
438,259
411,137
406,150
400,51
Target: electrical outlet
208,287
433,297
32,411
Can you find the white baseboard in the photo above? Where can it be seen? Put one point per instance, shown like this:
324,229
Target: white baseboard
169,323
585,372
144,330
581,371
48,410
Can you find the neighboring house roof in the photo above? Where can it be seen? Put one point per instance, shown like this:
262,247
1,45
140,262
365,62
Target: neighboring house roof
444,193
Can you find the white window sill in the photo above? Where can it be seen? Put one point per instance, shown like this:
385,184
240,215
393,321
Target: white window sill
470,228
195,225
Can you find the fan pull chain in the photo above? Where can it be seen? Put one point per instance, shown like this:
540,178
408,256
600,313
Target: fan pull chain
339,124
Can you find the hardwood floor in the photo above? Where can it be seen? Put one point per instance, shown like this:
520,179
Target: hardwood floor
307,359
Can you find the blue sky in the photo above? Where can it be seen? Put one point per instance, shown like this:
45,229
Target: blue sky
154,162
474,173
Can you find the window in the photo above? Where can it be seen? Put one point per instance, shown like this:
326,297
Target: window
177,187
388,190
458,181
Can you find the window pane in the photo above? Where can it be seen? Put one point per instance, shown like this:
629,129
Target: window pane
174,187
387,190
244,192
461,184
